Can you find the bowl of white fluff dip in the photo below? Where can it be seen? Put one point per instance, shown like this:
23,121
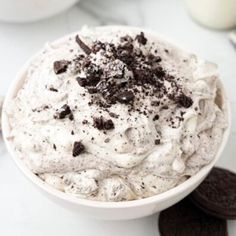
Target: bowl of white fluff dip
116,122
31,10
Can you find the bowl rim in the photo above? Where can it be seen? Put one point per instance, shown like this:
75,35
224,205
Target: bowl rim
15,86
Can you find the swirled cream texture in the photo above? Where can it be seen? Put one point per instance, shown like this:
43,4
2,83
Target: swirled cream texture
117,115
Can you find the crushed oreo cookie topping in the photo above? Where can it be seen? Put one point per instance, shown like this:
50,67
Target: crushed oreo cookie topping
125,74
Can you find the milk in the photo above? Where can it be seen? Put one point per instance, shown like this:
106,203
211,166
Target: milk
218,14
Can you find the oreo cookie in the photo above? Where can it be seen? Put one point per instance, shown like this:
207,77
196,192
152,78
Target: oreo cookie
185,218
217,194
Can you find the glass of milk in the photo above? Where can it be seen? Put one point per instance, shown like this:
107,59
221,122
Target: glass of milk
217,14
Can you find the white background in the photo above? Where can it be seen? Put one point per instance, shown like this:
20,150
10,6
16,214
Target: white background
23,210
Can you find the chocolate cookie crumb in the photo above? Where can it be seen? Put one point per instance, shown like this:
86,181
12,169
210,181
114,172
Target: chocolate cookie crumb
63,112
78,148
84,122
156,117
157,141
184,101
82,81
71,116
113,115
141,38
155,103
107,140
92,90
53,89
60,66
101,124
165,107
83,46
109,125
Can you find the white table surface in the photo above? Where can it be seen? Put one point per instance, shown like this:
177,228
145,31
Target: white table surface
25,212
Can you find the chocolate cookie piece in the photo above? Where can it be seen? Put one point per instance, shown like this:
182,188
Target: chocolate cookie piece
60,66
83,46
184,101
217,194
101,124
141,38
186,219
78,148
63,112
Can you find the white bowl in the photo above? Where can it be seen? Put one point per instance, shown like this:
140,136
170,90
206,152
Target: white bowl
31,10
107,210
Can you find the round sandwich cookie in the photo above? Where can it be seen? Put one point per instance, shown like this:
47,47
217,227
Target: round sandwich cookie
217,194
184,219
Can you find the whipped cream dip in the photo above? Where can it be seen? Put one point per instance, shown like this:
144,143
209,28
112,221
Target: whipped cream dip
117,115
